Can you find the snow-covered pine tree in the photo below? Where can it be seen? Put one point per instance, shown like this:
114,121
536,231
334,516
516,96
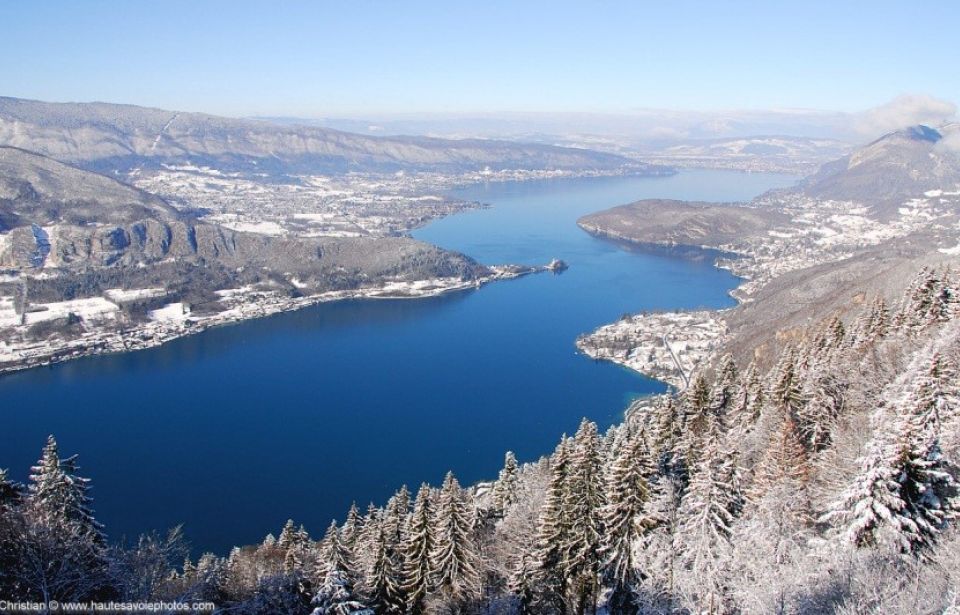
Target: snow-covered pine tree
11,493
336,596
58,496
11,500
872,325
696,406
351,527
366,540
552,536
823,392
395,517
61,550
505,489
931,299
417,550
523,584
705,517
927,484
288,536
905,491
726,387
785,461
624,518
335,554
871,510
455,559
386,591
584,502
667,432
786,393
745,410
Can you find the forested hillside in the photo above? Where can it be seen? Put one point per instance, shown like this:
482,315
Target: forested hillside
827,484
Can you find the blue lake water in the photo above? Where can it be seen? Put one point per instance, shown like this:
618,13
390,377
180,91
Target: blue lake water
232,431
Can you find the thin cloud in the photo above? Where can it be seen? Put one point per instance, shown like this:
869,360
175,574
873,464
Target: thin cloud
903,111
951,140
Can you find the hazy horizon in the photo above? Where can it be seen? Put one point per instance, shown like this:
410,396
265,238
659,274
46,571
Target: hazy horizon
381,59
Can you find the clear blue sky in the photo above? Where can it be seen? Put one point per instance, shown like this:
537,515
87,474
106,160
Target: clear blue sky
357,57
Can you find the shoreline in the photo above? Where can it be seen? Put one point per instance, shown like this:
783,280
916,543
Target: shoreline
158,332
670,345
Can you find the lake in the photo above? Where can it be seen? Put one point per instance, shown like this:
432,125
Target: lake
232,431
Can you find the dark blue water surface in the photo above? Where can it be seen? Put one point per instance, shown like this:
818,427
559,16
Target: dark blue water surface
232,431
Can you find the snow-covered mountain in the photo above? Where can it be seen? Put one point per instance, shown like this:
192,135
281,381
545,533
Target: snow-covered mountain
122,137
898,166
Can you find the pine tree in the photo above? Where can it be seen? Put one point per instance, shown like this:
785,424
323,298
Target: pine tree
386,593
624,519
366,540
505,489
726,388
336,554
351,527
929,300
748,402
417,549
58,497
552,535
787,394
11,500
11,493
455,558
785,461
523,584
336,596
395,517
871,508
667,432
706,515
584,501
870,326
696,408
927,484
288,536
905,492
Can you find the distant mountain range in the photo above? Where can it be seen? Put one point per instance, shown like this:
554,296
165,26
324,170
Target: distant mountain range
110,137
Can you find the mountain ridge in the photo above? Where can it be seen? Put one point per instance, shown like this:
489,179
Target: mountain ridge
123,137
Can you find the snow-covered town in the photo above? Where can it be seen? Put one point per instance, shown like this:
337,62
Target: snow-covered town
825,231
667,346
351,205
346,205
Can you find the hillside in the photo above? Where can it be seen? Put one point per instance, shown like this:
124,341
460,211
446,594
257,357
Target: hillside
111,137
859,226
891,170
91,265
35,189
